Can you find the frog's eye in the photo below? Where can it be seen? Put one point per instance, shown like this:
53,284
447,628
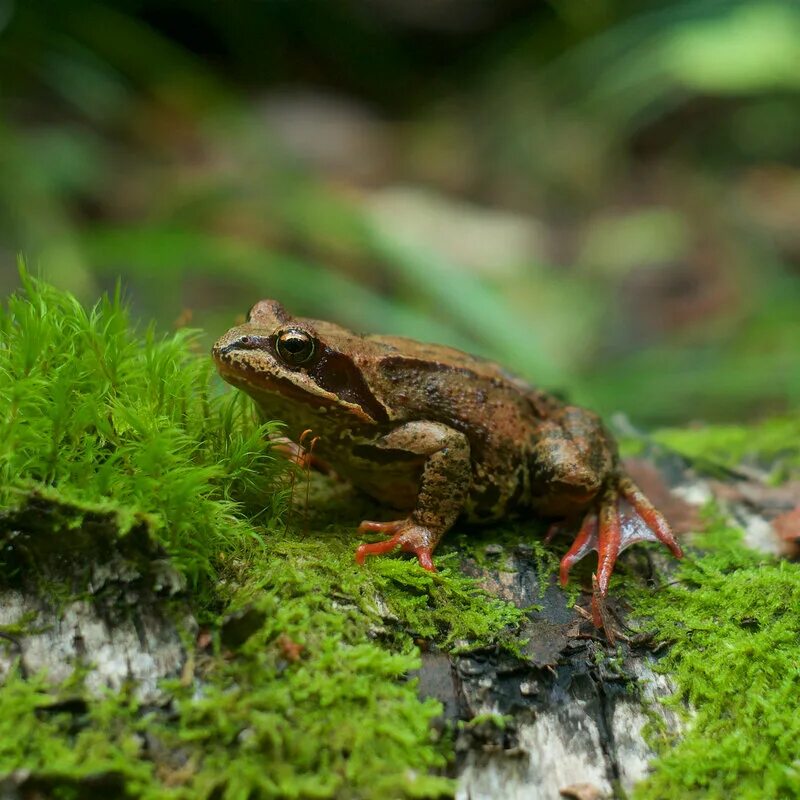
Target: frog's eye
295,347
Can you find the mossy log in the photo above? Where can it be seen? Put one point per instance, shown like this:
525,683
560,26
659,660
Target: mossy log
566,715
566,710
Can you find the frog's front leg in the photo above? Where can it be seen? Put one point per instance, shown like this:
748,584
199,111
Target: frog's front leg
443,487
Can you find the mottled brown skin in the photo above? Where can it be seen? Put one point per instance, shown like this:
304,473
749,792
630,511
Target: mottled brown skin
440,434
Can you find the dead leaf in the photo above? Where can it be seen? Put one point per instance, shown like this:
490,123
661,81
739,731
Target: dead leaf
768,500
787,528
290,649
582,791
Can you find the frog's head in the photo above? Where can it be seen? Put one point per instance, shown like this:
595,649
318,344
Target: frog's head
276,358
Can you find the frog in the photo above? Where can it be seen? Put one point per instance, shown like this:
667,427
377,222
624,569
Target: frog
440,436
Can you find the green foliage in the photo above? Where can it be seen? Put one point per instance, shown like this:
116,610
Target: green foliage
643,129
752,48
732,619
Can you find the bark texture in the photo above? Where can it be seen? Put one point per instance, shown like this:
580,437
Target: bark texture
90,598
574,709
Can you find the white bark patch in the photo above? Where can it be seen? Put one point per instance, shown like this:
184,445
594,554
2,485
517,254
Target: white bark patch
140,646
556,749
573,744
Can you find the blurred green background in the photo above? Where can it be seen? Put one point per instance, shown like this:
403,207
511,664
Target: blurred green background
604,195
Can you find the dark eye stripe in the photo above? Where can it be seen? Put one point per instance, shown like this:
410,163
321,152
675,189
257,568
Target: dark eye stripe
338,374
250,341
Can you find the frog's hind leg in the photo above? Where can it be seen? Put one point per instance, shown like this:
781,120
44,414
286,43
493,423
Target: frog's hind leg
609,532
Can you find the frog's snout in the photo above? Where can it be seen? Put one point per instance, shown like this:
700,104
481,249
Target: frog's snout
221,349
237,343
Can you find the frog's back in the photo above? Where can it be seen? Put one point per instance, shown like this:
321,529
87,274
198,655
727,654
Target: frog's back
440,356
431,381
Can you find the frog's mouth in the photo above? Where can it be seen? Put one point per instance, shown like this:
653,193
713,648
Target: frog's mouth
263,385
247,378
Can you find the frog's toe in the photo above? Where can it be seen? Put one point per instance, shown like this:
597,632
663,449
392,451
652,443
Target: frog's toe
584,543
658,528
424,555
375,549
378,548
600,532
389,528
609,540
405,535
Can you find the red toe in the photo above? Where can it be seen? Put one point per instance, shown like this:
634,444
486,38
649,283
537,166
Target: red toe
376,548
584,543
425,558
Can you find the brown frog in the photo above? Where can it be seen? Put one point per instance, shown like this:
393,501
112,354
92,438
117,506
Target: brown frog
439,434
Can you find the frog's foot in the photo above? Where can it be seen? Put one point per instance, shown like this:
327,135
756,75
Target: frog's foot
298,454
609,533
406,534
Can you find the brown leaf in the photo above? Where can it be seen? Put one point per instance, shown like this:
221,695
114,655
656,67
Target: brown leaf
767,500
787,528
290,649
582,791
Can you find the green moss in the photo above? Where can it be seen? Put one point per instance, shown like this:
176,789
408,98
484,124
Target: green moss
128,436
312,705
732,619
104,415
69,742
521,538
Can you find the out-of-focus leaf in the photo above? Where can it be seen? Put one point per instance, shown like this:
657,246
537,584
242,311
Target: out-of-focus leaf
755,47
616,244
161,254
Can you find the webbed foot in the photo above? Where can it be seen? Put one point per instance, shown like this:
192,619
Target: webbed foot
405,534
609,532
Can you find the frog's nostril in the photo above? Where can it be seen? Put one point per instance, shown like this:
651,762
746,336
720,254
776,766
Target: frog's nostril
224,349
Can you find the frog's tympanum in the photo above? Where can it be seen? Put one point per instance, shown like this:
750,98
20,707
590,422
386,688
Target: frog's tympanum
439,434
